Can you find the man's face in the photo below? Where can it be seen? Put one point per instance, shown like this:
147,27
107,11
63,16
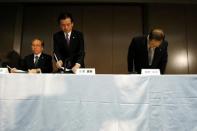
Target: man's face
66,25
154,43
37,47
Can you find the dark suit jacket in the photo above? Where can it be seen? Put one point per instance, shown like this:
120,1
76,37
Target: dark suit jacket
44,63
74,53
138,56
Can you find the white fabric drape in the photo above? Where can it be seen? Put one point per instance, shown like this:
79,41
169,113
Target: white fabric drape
55,102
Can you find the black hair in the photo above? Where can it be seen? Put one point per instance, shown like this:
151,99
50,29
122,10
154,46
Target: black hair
64,15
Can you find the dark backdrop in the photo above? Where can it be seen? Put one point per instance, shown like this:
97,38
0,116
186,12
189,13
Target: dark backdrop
108,30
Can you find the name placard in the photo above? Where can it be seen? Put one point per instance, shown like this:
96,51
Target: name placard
85,71
4,70
150,72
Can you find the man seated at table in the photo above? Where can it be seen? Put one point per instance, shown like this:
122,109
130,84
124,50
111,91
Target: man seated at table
37,62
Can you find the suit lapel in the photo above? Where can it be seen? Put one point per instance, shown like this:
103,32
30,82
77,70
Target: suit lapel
40,60
156,56
146,50
32,60
72,38
63,38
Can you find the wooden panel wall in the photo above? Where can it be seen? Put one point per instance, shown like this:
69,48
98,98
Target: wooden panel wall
125,27
107,30
192,38
173,21
7,25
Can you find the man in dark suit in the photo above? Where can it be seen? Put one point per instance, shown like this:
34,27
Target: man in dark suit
37,62
148,52
68,45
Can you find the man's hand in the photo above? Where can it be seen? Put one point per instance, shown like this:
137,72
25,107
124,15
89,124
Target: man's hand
38,70
59,64
77,66
13,70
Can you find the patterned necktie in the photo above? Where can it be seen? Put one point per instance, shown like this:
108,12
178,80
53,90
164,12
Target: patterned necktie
36,60
67,39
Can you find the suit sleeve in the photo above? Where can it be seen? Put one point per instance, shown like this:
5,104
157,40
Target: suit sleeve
48,67
56,48
130,57
164,58
24,65
81,53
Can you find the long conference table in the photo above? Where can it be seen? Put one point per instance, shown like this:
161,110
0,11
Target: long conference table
65,102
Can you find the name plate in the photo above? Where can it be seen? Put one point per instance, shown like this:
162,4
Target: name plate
85,71
4,70
150,72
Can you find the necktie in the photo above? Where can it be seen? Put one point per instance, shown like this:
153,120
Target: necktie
36,60
67,39
150,55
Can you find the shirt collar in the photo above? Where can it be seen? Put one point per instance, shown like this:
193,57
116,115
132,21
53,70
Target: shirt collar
37,55
69,34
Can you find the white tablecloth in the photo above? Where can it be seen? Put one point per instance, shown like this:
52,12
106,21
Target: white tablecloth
55,102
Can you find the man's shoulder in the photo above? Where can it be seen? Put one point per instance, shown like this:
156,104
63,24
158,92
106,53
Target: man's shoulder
58,33
139,38
46,55
76,32
28,56
164,44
